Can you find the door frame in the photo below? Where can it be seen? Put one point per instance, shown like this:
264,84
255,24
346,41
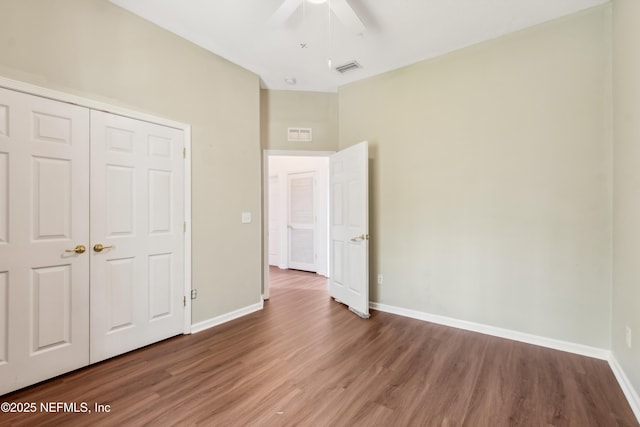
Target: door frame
266,153
55,95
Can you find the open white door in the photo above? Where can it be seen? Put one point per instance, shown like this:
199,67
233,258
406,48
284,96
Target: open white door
349,228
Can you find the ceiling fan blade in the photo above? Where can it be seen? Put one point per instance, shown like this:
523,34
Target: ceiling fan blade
284,11
347,16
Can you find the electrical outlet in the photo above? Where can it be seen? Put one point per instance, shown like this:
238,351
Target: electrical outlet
380,279
194,293
628,336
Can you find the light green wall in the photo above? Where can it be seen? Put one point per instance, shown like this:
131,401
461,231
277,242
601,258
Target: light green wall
626,231
491,180
94,49
283,109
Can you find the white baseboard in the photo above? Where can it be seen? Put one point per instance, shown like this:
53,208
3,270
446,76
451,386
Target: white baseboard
570,347
219,320
630,393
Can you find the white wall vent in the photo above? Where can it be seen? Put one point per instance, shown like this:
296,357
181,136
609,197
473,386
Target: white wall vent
299,134
350,66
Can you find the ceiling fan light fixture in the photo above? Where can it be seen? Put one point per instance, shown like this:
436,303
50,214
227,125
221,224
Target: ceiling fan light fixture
317,1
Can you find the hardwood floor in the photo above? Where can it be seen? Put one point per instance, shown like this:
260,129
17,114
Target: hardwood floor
306,360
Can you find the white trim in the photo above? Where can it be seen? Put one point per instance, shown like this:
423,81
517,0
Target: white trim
266,291
627,388
298,153
55,95
187,231
219,320
570,347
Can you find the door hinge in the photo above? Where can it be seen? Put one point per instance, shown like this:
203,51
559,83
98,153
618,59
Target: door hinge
184,152
184,300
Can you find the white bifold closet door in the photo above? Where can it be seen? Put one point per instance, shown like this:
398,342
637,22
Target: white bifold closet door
137,215
91,236
44,205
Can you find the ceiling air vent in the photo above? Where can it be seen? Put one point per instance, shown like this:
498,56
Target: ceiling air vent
350,66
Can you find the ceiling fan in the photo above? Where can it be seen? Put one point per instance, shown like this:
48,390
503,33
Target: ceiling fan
340,8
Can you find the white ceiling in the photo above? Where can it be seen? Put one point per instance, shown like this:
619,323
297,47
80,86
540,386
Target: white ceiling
397,33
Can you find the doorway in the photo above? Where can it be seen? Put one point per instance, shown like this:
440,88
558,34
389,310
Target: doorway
347,229
296,212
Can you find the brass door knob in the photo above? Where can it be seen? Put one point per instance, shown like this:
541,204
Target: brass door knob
80,249
98,247
360,238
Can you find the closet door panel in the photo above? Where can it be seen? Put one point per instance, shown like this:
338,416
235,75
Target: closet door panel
137,276
44,222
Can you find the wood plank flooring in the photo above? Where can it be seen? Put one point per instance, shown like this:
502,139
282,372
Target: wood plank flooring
307,361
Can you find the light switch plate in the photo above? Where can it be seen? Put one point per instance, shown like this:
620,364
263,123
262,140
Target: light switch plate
246,217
